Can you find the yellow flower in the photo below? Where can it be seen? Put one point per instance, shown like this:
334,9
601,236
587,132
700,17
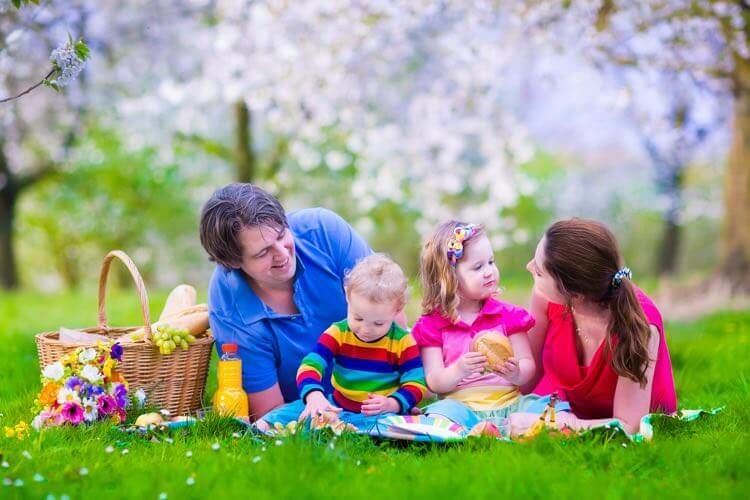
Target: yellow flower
107,368
20,431
22,428
70,360
102,347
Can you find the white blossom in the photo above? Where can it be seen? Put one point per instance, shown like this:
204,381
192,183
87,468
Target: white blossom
37,422
140,396
90,409
54,371
91,373
66,395
67,63
87,355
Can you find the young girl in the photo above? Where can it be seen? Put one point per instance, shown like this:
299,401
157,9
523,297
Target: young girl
459,281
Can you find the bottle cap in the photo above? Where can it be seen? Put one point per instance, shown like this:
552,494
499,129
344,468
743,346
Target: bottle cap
229,348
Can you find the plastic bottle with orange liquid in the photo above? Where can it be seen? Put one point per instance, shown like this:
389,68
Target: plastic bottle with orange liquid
230,399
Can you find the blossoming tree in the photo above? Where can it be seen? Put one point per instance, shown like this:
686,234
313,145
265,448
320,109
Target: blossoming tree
18,53
706,40
412,90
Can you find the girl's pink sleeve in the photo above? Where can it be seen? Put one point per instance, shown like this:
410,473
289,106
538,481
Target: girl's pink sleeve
425,334
518,320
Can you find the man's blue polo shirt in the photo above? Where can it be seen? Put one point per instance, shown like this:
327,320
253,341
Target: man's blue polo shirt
272,345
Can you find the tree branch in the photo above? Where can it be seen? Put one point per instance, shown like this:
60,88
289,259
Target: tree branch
8,99
276,158
27,180
208,146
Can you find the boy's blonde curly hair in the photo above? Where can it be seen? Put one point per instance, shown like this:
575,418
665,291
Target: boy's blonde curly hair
378,278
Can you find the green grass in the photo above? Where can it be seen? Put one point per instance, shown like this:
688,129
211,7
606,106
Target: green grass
707,457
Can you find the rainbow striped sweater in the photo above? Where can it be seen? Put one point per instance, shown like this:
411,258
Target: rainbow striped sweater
390,366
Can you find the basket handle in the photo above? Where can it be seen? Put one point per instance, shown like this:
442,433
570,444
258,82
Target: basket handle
140,288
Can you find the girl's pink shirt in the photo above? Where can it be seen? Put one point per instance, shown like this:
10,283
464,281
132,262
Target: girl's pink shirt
435,330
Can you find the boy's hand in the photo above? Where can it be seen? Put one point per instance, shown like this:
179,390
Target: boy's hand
317,404
377,404
510,370
470,363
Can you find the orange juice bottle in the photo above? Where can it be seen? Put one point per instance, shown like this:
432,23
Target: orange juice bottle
230,399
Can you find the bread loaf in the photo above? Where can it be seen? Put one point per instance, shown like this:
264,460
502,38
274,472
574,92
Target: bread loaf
179,299
193,319
495,346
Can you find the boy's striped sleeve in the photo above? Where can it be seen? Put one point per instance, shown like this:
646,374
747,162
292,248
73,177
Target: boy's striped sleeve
313,366
412,382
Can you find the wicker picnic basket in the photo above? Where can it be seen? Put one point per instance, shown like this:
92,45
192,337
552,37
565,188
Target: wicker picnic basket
174,382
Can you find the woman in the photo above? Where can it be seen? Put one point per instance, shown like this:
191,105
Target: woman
598,340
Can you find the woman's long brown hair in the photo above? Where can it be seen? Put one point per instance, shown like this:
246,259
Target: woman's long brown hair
582,256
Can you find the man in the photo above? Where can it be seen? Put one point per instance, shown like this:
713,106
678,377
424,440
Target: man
277,286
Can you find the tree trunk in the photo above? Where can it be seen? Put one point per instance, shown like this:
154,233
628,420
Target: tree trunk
244,158
666,265
668,250
66,259
8,197
8,274
735,265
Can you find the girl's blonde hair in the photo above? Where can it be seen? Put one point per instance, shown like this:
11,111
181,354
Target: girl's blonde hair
378,278
438,276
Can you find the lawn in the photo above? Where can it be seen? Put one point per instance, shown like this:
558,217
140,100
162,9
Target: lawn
704,458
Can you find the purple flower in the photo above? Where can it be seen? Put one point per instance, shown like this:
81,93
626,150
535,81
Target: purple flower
116,352
121,395
107,404
91,390
72,412
74,383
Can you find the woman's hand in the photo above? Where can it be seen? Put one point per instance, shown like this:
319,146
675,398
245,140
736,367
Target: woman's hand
377,404
316,404
519,423
470,363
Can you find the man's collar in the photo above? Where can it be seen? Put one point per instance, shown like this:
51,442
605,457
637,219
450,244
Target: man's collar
250,307
248,304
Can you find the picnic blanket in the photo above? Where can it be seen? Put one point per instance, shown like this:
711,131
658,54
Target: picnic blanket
436,429
425,428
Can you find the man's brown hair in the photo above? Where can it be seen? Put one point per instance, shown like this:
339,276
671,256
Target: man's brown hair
231,208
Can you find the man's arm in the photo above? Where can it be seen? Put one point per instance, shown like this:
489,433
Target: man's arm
262,402
259,378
